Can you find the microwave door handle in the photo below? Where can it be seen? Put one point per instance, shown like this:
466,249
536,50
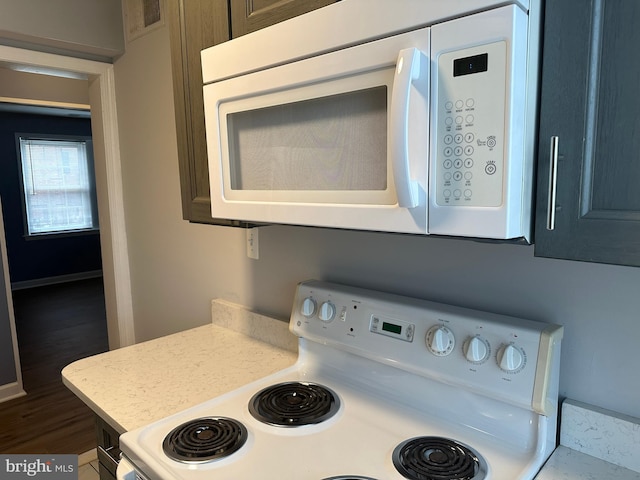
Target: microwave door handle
407,71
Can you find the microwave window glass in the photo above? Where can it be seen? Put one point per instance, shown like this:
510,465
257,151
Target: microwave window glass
338,143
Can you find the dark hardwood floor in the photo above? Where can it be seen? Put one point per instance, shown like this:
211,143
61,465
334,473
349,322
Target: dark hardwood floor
55,325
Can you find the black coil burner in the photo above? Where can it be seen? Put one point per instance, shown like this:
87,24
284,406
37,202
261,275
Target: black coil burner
294,404
437,458
349,477
204,439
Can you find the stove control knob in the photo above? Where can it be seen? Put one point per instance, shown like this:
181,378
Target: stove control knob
308,307
327,312
476,349
440,340
510,358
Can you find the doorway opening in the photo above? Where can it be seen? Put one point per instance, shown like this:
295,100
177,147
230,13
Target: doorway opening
113,240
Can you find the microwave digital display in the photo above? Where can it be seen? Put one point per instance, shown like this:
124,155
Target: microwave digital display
469,65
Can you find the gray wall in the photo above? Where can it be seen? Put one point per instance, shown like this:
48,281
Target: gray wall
599,305
84,28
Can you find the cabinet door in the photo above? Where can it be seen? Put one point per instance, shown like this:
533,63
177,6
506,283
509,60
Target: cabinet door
250,15
590,102
194,25
108,450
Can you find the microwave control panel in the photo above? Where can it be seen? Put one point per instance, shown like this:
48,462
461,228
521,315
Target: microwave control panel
470,126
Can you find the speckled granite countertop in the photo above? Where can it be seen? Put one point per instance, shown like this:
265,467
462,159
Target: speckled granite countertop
595,444
136,385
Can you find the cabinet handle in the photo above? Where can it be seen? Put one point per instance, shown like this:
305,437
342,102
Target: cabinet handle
553,179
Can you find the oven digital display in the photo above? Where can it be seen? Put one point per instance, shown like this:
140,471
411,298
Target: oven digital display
390,327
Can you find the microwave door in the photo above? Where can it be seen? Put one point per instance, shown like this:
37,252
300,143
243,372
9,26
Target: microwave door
339,140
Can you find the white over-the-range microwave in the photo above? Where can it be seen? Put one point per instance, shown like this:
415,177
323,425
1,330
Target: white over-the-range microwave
410,116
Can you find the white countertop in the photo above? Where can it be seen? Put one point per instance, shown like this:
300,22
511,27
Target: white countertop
569,464
136,385
595,444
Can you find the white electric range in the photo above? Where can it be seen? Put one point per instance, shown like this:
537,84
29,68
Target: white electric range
385,387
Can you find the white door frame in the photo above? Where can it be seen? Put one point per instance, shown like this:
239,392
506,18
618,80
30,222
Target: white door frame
106,143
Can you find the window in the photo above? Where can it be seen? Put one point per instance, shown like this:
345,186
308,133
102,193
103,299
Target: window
58,184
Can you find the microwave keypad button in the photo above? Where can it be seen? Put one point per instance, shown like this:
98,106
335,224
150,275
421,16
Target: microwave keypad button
446,193
490,169
447,164
447,176
448,139
447,151
471,106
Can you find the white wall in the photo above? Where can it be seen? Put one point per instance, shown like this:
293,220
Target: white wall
86,28
44,88
177,267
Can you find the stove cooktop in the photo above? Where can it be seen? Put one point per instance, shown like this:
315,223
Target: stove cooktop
293,404
375,394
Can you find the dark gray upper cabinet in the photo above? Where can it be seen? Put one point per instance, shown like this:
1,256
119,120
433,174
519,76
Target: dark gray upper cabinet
193,25
248,15
590,101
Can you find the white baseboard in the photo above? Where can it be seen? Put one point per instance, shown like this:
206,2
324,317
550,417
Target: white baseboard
11,391
40,282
